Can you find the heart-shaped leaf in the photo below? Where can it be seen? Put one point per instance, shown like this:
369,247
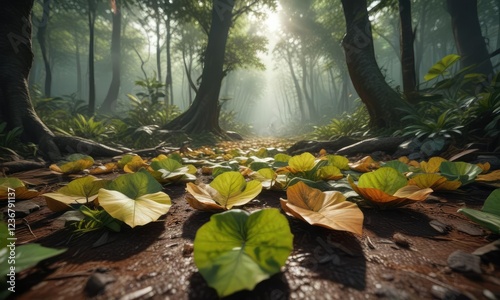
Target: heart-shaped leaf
135,199
78,191
236,250
225,191
73,164
326,209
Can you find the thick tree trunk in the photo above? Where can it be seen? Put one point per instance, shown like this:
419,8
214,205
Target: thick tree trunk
203,115
109,103
468,37
42,40
407,53
91,21
16,57
380,99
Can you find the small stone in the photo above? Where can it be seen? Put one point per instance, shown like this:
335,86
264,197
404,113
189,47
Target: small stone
443,293
469,229
401,240
439,226
97,283
390,292
489,295
490,252
187,249
464,262
387,276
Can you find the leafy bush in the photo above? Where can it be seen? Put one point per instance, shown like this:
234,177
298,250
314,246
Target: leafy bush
228,122
355,124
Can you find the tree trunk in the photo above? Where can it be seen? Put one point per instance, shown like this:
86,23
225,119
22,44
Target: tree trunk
169,89
203,115
109,103
78,66
16,57
380,99
468,37
91,22
42,40
296,84
407,53
158,46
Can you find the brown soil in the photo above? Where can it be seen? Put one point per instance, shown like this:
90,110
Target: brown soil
156,262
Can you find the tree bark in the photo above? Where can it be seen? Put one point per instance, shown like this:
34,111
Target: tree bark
169,89
203,115
468,37
16,57
42,40
380,99
109,103
91,22
407,39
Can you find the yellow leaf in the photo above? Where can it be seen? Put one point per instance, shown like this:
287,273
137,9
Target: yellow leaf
435,182
432,166
366,164
135,164
485,167
489,177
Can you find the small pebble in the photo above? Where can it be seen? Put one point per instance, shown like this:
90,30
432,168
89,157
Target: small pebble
187,249
401,240
443,293
464,262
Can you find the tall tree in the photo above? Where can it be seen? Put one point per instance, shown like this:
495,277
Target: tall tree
41,36
114,88
468,37
203,114
380,99
92,11
407,53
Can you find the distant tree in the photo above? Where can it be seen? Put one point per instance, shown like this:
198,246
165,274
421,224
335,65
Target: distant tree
91,14
203,115
114,88
41,36
468,37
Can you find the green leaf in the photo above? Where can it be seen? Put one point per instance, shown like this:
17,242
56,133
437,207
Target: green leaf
460,170
236,250
9,185
232,189
489,215
398,166
385,179
26,256
441,66
338,161
136,184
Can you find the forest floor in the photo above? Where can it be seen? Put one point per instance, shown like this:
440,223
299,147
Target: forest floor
402,254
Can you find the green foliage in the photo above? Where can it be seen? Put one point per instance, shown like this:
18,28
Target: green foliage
355,124
489,215
10,141
236,250
455,104
96,219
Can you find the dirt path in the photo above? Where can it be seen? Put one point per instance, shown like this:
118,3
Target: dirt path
156,262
